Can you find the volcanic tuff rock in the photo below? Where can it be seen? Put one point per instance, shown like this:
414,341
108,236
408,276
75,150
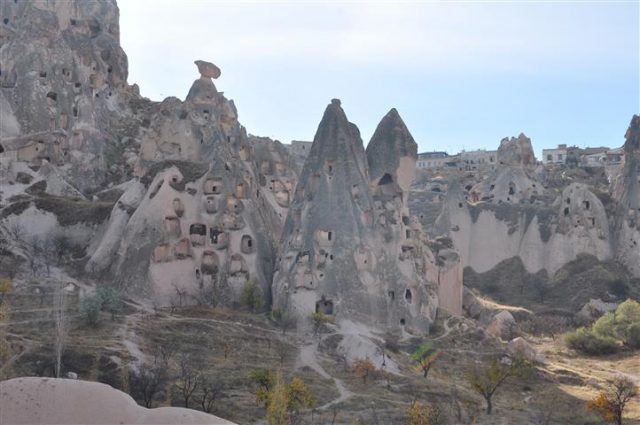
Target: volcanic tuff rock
63,90
68,401
214,205
627,192
348,248
516,151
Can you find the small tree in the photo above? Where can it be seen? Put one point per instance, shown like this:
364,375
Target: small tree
90,308
211,391
251,296
486,381
363,368
265,380
111,301
188,380
612,402
425,356
320,320
420,414
147,382
61,326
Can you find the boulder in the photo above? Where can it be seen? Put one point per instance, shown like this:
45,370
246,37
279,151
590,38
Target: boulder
207,69
594,309
503,326
519,347
56,401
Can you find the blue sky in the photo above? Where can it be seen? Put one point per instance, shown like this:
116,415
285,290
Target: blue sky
462,74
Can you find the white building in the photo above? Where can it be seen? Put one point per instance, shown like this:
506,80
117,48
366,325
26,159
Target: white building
555,156
479,158
432,160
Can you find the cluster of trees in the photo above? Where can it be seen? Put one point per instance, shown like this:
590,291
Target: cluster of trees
150,381
611,403
40,252
283,400
106,299
609,332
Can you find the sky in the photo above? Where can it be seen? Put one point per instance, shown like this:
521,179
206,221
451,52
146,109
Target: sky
462,74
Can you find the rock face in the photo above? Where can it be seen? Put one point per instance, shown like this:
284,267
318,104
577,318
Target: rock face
347,248
207,69
503,326
519,347
214,205
63,91
627,193
516,151
68,401
392,152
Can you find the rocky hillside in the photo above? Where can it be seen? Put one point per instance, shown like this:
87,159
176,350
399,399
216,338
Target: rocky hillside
160,248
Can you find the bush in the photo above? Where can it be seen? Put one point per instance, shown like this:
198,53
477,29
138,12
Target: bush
251,296
632,337
589,342
90,308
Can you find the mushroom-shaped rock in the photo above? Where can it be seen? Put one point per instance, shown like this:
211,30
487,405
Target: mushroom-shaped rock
207,69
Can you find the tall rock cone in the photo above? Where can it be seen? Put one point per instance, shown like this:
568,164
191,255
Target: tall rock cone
392,153
627,193
343,245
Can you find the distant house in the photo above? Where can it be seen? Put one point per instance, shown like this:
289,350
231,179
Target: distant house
432,159
471,160
555,156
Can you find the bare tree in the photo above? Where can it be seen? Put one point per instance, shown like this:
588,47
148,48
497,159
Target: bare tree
612,402
61,325
211,392
147,382
180,292
188,380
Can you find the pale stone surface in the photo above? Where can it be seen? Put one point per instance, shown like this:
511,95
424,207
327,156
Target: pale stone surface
519,347
503,326
207,69
348,246
69,401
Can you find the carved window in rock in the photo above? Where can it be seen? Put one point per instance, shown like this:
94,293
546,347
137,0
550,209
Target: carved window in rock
566,211
178,207
197,233
512,188
586,204
210,204
329,166
408,296
392,295
385,180
213,186
209,263
218,238
247,245
324,306
1,149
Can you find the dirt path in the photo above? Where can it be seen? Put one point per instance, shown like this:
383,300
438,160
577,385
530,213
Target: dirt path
308,357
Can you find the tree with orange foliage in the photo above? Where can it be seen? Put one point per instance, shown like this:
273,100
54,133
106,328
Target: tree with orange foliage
363,368
611,403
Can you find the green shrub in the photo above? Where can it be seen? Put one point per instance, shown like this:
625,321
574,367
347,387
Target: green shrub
632,336
90,308
589,342
251,296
